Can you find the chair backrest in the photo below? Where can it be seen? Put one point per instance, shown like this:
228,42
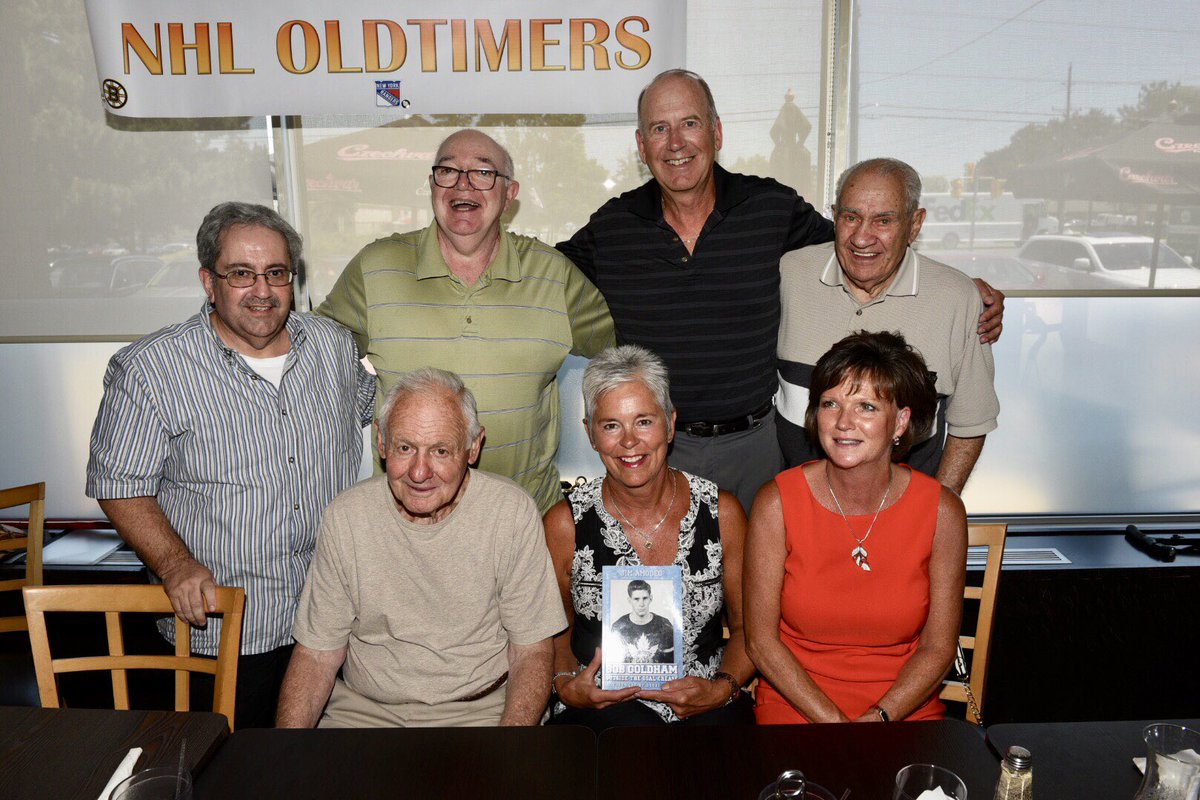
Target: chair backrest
112,601
991,536
34,496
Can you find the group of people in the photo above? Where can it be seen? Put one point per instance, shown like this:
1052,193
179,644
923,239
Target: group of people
727,325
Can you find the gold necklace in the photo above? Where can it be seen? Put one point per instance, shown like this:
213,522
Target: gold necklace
859,553
646,536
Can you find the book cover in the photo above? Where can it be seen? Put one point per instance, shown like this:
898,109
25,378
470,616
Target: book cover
643,626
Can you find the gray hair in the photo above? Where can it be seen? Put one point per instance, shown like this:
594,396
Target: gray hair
619,365
686,74
506,163
910,181
224,216
431,381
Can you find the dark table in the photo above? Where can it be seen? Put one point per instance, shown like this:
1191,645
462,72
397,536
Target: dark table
66,754
736,762
1081,759
527,763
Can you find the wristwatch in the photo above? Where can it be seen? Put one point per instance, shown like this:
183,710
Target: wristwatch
883,715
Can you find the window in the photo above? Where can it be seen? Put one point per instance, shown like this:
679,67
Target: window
97,206
1089,111
1029,119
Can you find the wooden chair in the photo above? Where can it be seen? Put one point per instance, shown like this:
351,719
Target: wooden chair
34,496
113,600
991,536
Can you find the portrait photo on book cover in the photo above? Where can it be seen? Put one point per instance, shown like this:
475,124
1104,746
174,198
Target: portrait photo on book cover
643,632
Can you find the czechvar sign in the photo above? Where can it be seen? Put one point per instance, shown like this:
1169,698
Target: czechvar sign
209,58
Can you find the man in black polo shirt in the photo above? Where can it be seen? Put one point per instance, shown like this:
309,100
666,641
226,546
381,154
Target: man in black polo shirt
689,265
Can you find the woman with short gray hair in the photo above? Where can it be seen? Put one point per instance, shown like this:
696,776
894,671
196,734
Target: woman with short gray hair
643,512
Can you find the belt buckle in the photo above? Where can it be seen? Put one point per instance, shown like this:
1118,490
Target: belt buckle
722,428
698,429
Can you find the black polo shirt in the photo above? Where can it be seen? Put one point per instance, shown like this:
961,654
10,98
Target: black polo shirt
712,315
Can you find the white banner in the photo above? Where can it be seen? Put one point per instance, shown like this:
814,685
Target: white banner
208,58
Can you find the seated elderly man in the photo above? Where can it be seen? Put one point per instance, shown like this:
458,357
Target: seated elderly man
431,584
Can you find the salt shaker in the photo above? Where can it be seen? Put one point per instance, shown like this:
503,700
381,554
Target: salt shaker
1016,775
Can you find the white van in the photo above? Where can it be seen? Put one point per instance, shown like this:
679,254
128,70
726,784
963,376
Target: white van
1002,220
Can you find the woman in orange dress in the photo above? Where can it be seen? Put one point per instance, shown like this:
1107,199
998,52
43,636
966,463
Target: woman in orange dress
855,564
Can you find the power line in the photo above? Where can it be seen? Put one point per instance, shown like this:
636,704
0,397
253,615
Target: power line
964,45
952,108
1013,79
862,116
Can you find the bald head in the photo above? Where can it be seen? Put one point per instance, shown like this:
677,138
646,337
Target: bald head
478,145
671,76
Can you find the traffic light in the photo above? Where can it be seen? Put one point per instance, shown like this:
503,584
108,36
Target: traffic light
956,187
998,187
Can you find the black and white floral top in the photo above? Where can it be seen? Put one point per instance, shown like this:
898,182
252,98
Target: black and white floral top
600,541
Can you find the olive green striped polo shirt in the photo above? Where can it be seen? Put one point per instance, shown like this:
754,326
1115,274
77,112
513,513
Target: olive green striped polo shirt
506,336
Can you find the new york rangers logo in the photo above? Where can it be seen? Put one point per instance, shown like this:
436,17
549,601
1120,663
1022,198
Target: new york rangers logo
387,93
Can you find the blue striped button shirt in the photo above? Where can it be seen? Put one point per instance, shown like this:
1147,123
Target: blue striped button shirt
241,469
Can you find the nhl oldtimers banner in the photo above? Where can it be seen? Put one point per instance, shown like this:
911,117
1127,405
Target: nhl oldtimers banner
208,58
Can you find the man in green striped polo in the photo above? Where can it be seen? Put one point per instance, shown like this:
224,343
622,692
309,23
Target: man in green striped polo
501,310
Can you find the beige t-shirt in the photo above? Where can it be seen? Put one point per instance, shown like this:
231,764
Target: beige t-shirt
427,611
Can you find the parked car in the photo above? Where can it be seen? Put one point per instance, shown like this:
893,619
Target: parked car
99,275
177,278
1001,271
1121,258
1006,271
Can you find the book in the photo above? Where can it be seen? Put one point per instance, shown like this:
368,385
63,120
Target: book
81,547
642,626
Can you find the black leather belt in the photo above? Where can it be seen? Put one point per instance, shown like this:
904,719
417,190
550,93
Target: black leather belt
482,693
735,425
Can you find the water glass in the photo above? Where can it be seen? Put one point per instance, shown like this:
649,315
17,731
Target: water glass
916,779
1172,765
156,783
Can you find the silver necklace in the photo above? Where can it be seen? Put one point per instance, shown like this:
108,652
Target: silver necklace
646,535
859,553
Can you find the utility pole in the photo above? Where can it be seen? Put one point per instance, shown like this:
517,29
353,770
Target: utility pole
1068,115
1070,145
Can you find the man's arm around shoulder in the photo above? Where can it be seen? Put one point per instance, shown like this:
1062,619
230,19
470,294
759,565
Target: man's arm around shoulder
528,682
958,459
307,686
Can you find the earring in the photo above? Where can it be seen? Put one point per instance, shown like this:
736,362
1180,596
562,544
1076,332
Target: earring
896,442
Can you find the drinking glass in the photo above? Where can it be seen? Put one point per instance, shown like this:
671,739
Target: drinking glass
156,783
917,778
1173,763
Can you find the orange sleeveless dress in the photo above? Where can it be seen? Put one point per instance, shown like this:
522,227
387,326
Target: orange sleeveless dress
852,630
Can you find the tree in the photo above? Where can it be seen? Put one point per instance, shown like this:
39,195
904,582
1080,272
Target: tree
1160,99
1039,141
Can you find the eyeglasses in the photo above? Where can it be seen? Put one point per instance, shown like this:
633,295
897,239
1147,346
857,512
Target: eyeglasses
245,278
481,179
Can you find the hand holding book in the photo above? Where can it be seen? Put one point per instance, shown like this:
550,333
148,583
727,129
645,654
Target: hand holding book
690,695
581,691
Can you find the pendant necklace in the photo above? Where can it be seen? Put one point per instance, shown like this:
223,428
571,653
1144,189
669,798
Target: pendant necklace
859,553
646,535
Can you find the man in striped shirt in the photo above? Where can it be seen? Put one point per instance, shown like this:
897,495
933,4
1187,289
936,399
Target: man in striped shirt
220,440
689,265
465,295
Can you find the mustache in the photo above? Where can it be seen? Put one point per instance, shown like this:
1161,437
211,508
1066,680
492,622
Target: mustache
269,300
